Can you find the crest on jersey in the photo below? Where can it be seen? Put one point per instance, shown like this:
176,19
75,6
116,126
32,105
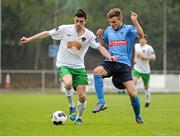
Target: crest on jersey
96,39
57,28
83,39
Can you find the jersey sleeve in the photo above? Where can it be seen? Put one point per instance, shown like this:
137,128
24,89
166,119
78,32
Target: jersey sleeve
94,41
136,48
105,38
57,33
133,32
151,51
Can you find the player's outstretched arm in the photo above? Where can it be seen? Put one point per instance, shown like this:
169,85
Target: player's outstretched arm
106,54
38,36
99,35
134,17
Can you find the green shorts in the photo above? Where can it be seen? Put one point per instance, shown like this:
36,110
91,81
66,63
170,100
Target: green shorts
145,77
79,76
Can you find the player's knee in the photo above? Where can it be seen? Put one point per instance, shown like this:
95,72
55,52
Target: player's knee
132,92
146,86
82,99
97,71
68,85
135,82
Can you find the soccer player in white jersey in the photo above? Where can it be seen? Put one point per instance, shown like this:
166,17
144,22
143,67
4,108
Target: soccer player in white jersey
75,41
144,53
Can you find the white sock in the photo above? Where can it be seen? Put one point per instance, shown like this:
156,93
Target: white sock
81,108
69,95
147,94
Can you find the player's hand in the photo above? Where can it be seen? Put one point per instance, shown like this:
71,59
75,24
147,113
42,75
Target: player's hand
24,40
134,16
113,58
144,56
100,32
135,61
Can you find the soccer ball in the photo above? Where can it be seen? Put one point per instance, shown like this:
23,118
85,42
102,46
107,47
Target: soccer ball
59,118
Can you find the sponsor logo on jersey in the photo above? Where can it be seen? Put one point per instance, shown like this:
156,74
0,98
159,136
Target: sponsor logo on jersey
118,43
74,45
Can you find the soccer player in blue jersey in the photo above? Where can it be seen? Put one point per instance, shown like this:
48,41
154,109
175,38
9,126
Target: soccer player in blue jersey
120,39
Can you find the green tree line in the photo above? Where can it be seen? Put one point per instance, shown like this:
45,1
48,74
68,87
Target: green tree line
28,17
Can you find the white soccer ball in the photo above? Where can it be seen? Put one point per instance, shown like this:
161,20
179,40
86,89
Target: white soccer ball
59,118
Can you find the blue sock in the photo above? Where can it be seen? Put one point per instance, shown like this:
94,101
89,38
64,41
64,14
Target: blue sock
135,101
98,84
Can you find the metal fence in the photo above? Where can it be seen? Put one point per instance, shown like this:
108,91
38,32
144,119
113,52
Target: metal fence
43,80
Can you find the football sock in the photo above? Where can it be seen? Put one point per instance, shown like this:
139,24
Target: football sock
135,101
98,84
69,95
147,94
81,108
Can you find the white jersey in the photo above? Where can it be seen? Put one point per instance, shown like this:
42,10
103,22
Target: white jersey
141,65
70,54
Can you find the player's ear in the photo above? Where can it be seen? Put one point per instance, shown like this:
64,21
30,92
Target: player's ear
86,21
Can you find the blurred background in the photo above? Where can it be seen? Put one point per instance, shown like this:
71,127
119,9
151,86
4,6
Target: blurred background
33,66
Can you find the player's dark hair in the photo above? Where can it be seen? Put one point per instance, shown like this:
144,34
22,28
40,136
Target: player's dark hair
80,13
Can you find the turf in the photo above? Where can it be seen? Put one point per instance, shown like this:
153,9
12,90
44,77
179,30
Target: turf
23,114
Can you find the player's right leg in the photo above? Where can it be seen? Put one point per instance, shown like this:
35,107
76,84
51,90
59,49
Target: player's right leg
135,101
65,75
80,80
98,84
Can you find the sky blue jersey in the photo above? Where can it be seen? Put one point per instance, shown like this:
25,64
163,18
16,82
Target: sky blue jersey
120,42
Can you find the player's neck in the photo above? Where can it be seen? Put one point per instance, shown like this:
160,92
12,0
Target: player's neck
80,31
142,45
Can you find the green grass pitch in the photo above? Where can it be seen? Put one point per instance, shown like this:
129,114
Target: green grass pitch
23,114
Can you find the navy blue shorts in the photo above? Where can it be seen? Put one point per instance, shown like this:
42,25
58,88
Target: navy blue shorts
120,70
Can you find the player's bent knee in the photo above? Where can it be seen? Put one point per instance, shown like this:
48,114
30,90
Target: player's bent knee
82,99
133,94
97,71
68,86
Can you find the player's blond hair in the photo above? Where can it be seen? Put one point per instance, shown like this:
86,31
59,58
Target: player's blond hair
115,12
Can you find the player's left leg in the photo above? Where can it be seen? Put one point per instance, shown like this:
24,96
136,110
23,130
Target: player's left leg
81,105
80,80
146,78
135,101
99,72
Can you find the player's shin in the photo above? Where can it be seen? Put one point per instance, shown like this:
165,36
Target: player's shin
147,94
98,84
135,101
69,95
81,108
